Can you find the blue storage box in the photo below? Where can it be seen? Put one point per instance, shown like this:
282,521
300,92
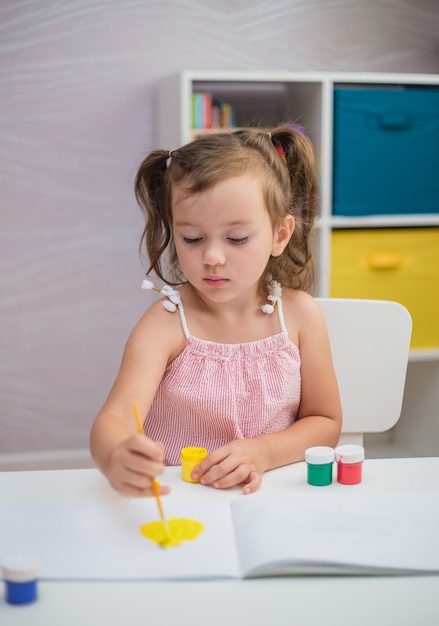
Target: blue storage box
386,150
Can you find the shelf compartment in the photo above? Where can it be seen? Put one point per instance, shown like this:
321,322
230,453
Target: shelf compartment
386,150
400,264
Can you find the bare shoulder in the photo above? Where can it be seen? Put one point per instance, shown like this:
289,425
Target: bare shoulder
301,305
302,314
159,330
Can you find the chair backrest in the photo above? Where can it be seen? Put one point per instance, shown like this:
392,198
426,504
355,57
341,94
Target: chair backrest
370,343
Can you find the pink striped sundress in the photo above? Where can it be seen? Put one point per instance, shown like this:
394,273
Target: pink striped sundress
214,393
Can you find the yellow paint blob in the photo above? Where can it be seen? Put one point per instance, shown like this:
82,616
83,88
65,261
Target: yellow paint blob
178,530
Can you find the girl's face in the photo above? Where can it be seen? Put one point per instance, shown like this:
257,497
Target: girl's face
224,237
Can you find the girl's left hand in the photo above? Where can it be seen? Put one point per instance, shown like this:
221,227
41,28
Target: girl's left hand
235,463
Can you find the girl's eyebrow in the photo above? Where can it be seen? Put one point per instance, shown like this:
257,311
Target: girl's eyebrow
233,223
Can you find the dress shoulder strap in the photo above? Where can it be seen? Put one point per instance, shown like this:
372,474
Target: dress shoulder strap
275,298
172,303
281,316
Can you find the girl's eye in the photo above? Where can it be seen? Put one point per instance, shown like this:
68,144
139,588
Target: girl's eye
238,240
192,239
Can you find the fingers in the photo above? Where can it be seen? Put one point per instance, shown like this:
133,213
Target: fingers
145,447
227,467
134,464
242,474
253,484
130,490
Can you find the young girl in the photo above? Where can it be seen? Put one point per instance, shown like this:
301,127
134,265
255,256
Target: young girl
237,358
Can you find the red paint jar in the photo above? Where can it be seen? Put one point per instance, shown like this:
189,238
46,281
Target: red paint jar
349,460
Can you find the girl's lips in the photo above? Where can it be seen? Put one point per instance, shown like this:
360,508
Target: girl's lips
215,282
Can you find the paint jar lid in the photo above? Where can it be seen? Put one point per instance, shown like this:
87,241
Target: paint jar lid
20,568
319,455
193,454
349,453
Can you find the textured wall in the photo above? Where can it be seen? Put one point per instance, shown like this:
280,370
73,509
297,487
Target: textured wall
76,117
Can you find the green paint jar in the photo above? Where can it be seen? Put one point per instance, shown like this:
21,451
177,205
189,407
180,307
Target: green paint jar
320,460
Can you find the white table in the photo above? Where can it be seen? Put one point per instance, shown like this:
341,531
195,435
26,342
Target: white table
357,601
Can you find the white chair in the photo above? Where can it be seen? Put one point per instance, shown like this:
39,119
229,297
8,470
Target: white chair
370,343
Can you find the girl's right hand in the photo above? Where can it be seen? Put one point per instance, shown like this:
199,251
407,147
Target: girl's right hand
133,464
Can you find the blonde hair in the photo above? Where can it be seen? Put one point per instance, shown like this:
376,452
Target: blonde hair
283,162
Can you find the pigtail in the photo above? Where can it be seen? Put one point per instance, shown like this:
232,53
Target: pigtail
299,158
152,193
296,263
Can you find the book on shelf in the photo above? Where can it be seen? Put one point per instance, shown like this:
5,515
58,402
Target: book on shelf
209,113
201,110
259,535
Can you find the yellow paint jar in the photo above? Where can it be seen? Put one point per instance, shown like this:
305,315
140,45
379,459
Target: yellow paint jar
190,458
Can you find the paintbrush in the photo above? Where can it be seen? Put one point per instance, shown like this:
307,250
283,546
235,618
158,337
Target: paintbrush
154,483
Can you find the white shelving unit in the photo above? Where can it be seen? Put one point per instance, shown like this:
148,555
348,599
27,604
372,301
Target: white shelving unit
267,98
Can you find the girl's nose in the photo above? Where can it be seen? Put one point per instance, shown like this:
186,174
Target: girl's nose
214,254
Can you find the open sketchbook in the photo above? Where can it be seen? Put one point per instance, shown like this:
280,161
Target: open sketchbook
258,535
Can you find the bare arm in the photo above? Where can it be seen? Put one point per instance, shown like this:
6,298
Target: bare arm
127,459
320,417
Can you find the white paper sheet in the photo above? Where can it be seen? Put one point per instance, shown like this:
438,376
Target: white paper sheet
103,541
344,533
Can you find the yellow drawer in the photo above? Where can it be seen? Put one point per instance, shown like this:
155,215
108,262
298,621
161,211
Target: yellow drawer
399,264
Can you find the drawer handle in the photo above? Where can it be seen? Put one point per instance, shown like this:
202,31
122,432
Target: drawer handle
395,121
385,261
